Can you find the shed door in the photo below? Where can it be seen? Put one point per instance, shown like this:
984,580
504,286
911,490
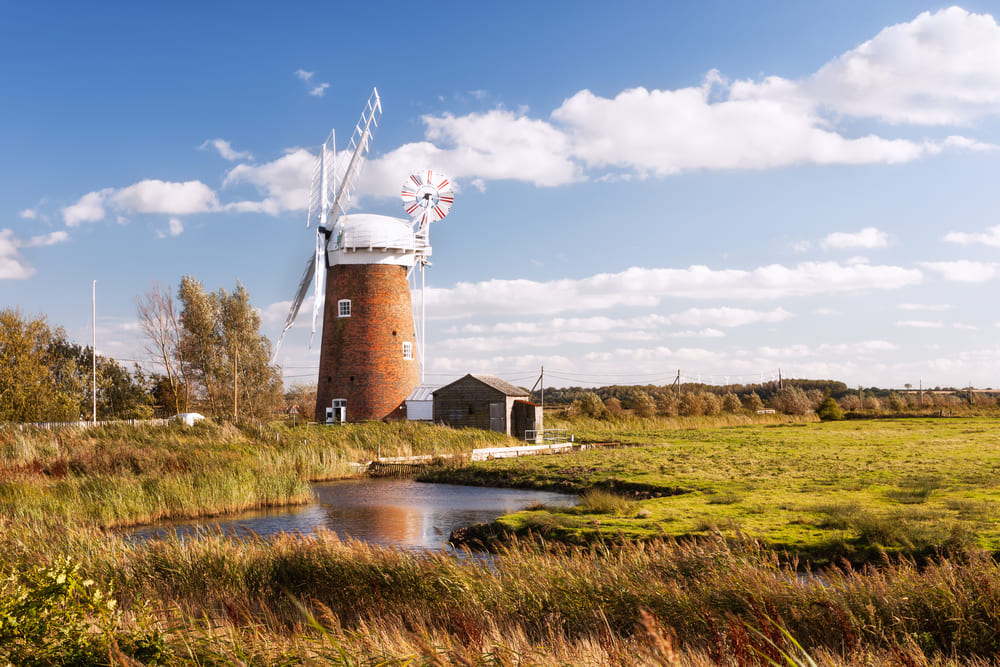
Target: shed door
498,417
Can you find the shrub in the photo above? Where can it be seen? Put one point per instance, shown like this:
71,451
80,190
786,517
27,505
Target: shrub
643,404
791,401
591,405
731,403
829,410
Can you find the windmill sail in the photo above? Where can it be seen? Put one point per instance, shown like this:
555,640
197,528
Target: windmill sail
360,143
300,295
328,196
324,183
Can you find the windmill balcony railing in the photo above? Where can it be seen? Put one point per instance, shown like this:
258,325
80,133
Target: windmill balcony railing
369,241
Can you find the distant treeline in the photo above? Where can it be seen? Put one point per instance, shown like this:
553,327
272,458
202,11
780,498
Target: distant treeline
829,398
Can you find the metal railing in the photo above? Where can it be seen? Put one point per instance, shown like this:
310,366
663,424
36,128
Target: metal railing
550,436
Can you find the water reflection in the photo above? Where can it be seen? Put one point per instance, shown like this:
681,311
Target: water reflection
389,512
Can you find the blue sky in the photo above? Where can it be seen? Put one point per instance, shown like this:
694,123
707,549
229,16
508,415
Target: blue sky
721,188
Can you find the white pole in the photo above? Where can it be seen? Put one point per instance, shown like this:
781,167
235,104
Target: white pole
93,349
423,328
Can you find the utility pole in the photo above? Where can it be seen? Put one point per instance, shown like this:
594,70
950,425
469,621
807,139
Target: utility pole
541,378
93,349
678,381
236,360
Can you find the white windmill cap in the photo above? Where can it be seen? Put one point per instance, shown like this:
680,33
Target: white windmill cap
365,238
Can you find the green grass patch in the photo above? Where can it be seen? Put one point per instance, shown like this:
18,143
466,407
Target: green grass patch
815,490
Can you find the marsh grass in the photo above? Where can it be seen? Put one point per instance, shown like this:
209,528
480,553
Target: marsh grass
120,475
218,600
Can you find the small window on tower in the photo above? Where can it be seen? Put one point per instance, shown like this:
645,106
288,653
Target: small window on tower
407,350
344,308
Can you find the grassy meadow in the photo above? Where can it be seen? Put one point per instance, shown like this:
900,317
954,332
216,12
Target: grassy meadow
814,490
701,583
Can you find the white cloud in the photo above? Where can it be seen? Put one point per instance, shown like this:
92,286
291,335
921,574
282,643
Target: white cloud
869,237
12,265
148,196
990,237
939,69
28,214
285,181
155,196
920,324
89,208
728,317
646,287
51,238
925,306
314,89
964,270
174,228
225,149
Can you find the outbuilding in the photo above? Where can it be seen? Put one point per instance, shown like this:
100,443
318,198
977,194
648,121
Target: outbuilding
420,403
486,402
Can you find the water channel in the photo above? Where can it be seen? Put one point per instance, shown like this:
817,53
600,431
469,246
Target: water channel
388,512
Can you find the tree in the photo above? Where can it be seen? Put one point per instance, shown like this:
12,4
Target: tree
692,404
731,403
666,404
643,404
791,401
713,404
752,402
591,405
200,348
226,357
28,387
158,321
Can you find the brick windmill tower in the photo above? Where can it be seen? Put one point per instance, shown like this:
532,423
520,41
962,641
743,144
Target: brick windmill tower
370,360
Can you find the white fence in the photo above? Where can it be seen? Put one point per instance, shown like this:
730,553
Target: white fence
87,424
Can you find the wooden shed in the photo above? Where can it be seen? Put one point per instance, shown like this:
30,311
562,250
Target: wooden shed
486,402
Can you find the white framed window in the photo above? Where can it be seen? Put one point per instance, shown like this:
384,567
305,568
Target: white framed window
407,350
344,308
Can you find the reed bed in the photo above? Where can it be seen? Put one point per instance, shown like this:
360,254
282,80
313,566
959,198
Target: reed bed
291,599
118,475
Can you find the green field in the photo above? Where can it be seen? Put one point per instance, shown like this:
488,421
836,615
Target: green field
817,490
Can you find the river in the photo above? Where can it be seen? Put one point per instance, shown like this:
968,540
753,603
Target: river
388,512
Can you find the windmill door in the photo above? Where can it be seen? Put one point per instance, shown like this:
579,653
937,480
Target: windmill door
498,417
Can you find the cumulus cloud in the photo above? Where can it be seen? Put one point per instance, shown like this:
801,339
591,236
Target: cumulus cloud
174,228
647,287
225,149
990,236
285,182
939,69
148,196
869,237
28,213
13,266
964,270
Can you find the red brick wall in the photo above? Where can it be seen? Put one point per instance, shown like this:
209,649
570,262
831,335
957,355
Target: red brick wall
361,356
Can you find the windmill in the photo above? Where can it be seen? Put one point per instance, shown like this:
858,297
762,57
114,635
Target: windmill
363,264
